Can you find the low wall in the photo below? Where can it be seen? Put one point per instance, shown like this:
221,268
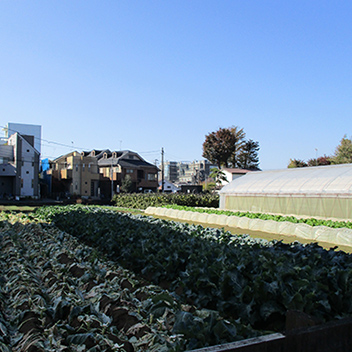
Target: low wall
315,233
334,336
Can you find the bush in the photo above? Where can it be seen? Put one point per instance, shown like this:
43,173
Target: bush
143,201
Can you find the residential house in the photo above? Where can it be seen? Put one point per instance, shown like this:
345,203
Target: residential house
115,166
75,174
169,187
32,133
19,167
233,173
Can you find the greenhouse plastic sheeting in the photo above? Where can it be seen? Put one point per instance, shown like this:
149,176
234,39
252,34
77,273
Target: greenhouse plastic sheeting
337,236
320,191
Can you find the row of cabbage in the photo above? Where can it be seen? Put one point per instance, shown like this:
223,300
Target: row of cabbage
263,216
251,283
57,294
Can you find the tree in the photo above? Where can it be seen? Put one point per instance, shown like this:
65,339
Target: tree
221,147
322,160
248,158
239,145
343,152
218,176
296,163
126,185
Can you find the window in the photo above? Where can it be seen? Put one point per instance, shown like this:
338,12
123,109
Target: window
83,166
129,171
151,177
76,167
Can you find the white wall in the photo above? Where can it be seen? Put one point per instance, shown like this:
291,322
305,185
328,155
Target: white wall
25,129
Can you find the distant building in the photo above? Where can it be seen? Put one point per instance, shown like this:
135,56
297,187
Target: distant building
170,171
32,133
169,187
187,172
19,167
115,166
233,173
98,174
74,174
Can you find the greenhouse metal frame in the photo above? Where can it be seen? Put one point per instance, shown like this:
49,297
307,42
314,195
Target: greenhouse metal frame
319,191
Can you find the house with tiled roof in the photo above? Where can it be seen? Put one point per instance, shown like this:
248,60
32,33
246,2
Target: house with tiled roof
115,166
101,173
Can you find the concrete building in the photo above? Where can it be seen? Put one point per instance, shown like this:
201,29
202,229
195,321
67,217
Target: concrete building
194,172
170,171
19,167
33,133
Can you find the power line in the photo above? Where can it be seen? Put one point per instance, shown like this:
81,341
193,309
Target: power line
48,141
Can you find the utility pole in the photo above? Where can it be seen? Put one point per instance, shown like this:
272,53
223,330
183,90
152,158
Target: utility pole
112,178
162,170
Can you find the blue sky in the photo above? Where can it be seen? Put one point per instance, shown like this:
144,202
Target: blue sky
142,75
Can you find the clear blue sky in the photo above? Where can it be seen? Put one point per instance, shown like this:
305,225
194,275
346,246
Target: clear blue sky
142,75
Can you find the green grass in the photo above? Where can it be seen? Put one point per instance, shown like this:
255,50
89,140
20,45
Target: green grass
16,208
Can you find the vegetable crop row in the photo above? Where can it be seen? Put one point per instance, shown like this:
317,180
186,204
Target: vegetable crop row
57,294
262,216
252,282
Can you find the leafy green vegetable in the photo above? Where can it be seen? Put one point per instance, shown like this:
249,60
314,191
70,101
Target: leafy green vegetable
262,216
253,282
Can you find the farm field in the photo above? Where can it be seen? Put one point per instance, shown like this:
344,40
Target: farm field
327,233
264,235
81,278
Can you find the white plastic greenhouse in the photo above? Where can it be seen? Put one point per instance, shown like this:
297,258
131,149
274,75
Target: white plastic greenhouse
320,191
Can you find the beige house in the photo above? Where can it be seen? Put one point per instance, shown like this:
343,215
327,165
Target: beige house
114,166
75,174
100,174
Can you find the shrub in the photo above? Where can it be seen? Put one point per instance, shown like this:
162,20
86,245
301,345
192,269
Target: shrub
143,201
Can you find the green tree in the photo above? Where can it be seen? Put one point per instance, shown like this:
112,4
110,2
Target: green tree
296,163
322,160
239,146
126,185
222,146
248,157
343,152
218,176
